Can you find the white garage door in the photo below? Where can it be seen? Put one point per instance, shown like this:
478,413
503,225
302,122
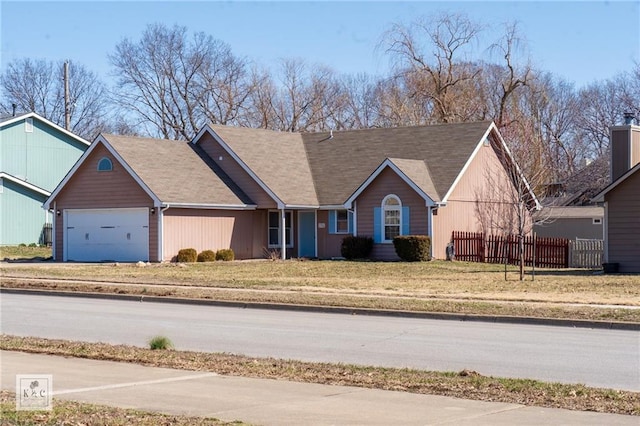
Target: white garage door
118,235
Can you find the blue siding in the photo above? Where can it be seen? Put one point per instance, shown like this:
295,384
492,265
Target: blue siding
21,215
42,158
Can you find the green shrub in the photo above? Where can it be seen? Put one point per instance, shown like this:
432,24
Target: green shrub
207,256
225,254
356,247
187,255
413,248
160,342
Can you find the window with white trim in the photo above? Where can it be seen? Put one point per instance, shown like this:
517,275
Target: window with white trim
392,217
342,222
275,231
105,165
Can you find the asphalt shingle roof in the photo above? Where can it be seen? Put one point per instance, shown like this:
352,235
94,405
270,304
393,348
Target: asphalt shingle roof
175,171
340,164
277,158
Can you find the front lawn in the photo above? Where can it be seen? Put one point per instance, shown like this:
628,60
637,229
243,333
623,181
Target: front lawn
437,286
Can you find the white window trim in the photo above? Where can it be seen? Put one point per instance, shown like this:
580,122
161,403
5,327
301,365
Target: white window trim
348,231
383,209
279,245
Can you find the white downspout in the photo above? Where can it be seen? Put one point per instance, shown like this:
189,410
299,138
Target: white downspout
355,219
283,234
161,232
430,229
54,221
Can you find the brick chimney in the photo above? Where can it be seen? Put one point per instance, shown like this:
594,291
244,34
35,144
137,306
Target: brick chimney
625,146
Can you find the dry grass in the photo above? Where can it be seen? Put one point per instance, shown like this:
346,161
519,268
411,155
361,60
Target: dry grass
436,286
76,413
464,384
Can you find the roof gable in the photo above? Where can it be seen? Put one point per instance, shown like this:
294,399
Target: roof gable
599,198
413,172
7,121
341,161
277,161
170,172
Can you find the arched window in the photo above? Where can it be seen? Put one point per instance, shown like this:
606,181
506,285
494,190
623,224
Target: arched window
105,165
391,217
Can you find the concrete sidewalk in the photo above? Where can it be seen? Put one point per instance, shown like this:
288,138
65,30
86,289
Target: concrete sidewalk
271,402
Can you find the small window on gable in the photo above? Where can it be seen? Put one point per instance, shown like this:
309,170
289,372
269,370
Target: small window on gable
105,165
28,125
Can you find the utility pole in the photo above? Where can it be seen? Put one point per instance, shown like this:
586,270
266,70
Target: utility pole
67,110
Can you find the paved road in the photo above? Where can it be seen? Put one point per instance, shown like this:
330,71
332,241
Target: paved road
604,358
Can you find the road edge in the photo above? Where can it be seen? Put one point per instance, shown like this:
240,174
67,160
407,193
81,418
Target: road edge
609,325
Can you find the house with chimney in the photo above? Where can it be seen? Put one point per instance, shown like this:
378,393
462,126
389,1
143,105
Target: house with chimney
621,199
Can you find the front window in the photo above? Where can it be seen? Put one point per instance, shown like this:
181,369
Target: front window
274,229
342,222
392,217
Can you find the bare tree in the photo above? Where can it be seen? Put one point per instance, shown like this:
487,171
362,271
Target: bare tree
505,202
513,77
174,83
37,85
436,70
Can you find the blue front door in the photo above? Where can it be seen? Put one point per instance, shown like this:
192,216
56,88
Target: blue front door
307,234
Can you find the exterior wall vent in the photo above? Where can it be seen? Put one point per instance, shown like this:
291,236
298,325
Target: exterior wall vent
28,125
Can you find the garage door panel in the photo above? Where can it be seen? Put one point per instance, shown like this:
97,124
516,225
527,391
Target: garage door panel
113,235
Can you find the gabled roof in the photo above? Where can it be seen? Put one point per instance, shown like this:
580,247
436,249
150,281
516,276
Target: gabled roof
24,184
171,172
327,168
277,160
413,172
599,198
6,121
341,161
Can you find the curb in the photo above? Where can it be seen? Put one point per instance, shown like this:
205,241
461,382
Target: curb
608,325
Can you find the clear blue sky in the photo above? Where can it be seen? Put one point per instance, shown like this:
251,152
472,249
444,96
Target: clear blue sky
580,41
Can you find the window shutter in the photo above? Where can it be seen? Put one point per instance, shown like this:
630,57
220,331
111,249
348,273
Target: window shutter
377,224
405,221
332,221
350,220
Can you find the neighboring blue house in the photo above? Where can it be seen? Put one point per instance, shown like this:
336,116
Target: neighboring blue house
35,155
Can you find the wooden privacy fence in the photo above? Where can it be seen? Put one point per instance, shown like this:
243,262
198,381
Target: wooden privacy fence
586,253
478,247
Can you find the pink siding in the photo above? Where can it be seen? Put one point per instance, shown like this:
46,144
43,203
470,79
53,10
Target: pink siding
482,201
388,182
623,224
236,172
211,230
328,244
90,189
